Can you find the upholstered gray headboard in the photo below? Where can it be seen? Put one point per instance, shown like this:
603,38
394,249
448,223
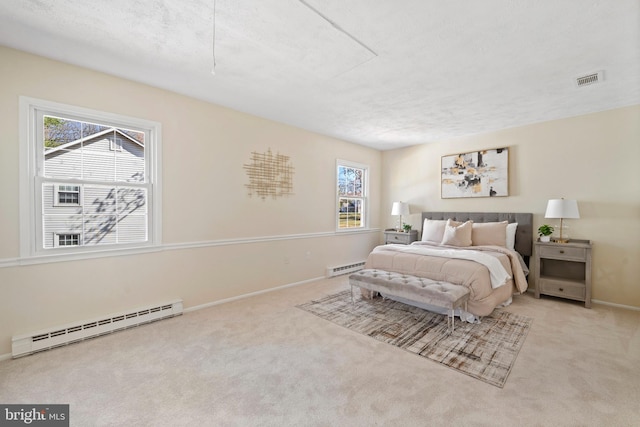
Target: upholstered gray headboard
524,232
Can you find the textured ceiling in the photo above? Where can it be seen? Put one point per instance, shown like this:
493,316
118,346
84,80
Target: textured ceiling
386,74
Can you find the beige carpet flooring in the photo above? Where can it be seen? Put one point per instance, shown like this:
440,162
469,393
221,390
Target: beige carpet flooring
261,361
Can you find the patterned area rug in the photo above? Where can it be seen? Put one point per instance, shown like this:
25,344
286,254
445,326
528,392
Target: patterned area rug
485,351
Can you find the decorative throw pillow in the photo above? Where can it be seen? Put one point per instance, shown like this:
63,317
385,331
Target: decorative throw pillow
456,234
511,235
489,233
433,230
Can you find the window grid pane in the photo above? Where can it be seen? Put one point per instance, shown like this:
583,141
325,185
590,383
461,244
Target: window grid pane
107,215
77,149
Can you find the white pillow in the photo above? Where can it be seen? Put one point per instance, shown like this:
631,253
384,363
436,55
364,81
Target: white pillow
457,235
433,230
511,235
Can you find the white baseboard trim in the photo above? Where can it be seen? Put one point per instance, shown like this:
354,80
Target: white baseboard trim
6,356
611,304
251,294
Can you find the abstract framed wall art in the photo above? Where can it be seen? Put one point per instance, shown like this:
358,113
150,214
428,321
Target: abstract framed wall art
482,173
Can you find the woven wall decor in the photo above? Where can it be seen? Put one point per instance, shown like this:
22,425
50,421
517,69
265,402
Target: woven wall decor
269,175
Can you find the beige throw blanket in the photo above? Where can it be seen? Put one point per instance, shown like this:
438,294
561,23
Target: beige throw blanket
497,272
517,272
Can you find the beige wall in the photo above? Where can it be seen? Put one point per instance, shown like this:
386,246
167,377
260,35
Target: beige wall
204,200
592,158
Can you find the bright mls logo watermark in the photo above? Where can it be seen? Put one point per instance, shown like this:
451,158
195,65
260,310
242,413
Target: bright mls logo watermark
34,415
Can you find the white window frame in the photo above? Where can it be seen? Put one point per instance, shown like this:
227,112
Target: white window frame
364,222
31,166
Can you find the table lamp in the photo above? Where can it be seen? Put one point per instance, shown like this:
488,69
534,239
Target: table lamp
562,208
400,208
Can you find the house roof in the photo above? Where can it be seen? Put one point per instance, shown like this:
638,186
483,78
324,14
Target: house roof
385,74
90,137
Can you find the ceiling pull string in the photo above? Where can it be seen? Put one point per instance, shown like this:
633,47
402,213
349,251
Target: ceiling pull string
213,40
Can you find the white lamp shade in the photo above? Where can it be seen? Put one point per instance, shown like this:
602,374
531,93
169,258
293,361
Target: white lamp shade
400,208
562,208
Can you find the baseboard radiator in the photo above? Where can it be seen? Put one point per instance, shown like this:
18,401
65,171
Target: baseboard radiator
24,345
344,269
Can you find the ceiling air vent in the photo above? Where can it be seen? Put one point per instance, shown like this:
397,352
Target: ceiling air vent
590,79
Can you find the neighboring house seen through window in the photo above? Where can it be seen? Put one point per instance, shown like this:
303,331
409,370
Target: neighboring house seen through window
94,179
352,191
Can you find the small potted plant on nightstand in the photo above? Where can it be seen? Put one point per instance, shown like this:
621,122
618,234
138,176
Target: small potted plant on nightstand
545,231
406,228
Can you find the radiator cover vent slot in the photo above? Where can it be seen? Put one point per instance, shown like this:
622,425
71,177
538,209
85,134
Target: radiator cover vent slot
344,269
590,79
24,345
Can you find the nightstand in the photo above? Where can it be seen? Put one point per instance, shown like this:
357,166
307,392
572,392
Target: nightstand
564,270
393,236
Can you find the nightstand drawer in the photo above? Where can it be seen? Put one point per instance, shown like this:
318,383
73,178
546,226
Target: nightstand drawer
560,252
399,237
403,238
562,289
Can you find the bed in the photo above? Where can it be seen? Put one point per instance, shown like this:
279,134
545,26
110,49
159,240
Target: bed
485,252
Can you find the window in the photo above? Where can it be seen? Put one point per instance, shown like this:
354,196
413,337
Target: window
66,239
352,192
89,180
66,195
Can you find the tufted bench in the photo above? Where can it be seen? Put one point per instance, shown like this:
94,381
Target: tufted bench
418,289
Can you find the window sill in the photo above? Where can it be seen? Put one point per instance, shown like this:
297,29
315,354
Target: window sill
77,256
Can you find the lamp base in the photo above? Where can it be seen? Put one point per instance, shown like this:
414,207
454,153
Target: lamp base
563,233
